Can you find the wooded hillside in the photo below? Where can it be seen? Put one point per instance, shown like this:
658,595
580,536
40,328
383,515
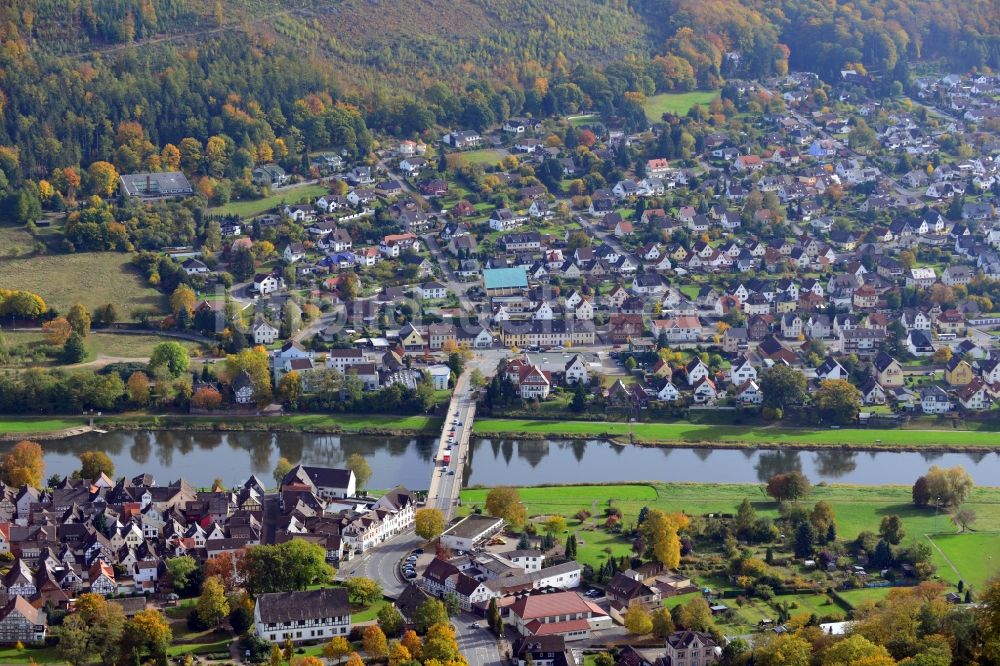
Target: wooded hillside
302,75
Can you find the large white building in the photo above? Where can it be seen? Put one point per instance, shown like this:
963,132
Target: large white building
471,531
313,615
391,514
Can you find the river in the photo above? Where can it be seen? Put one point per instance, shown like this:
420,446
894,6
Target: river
200,457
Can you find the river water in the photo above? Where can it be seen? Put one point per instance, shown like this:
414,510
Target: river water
199,457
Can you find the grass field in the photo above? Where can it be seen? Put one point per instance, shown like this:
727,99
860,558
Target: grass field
250,208
587,119
11,425
15,242
361,422
368,614
857,508
91,278
861,595
676,103
220,646
976,556
749,435
130,346
98,344
42,655
486,157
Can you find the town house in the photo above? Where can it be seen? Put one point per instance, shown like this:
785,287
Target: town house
314,615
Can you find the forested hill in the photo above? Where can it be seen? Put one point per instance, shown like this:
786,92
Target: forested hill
117,80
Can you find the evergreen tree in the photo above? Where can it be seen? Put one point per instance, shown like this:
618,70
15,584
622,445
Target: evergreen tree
74,351
571,546
579,398
805,539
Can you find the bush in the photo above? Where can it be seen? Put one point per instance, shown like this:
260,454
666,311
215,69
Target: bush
259,649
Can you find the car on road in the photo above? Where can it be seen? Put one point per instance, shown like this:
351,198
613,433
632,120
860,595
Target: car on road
474,625
411,558
418,551
593,593
451,472
410,575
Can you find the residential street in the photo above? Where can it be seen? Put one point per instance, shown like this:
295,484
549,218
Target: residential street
381,563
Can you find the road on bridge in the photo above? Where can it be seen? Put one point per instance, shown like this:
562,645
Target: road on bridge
381,563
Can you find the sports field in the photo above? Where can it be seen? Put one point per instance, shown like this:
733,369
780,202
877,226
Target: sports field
973,557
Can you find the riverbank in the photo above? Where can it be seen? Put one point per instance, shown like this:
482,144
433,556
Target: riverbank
676,434
699,435
12,428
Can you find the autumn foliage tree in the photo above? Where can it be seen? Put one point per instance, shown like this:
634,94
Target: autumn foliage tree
147,633
637,620
338,648
429,523
103,178
951,486
57,331
661,532
24,465
256,363
183,298
375,643
222,567
505,502
138,388
95,463
791,486
206,397
79,318
213,607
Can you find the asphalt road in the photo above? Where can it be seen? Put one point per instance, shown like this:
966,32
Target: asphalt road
381,563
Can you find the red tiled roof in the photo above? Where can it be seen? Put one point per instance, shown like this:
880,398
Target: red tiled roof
546,605
548,628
